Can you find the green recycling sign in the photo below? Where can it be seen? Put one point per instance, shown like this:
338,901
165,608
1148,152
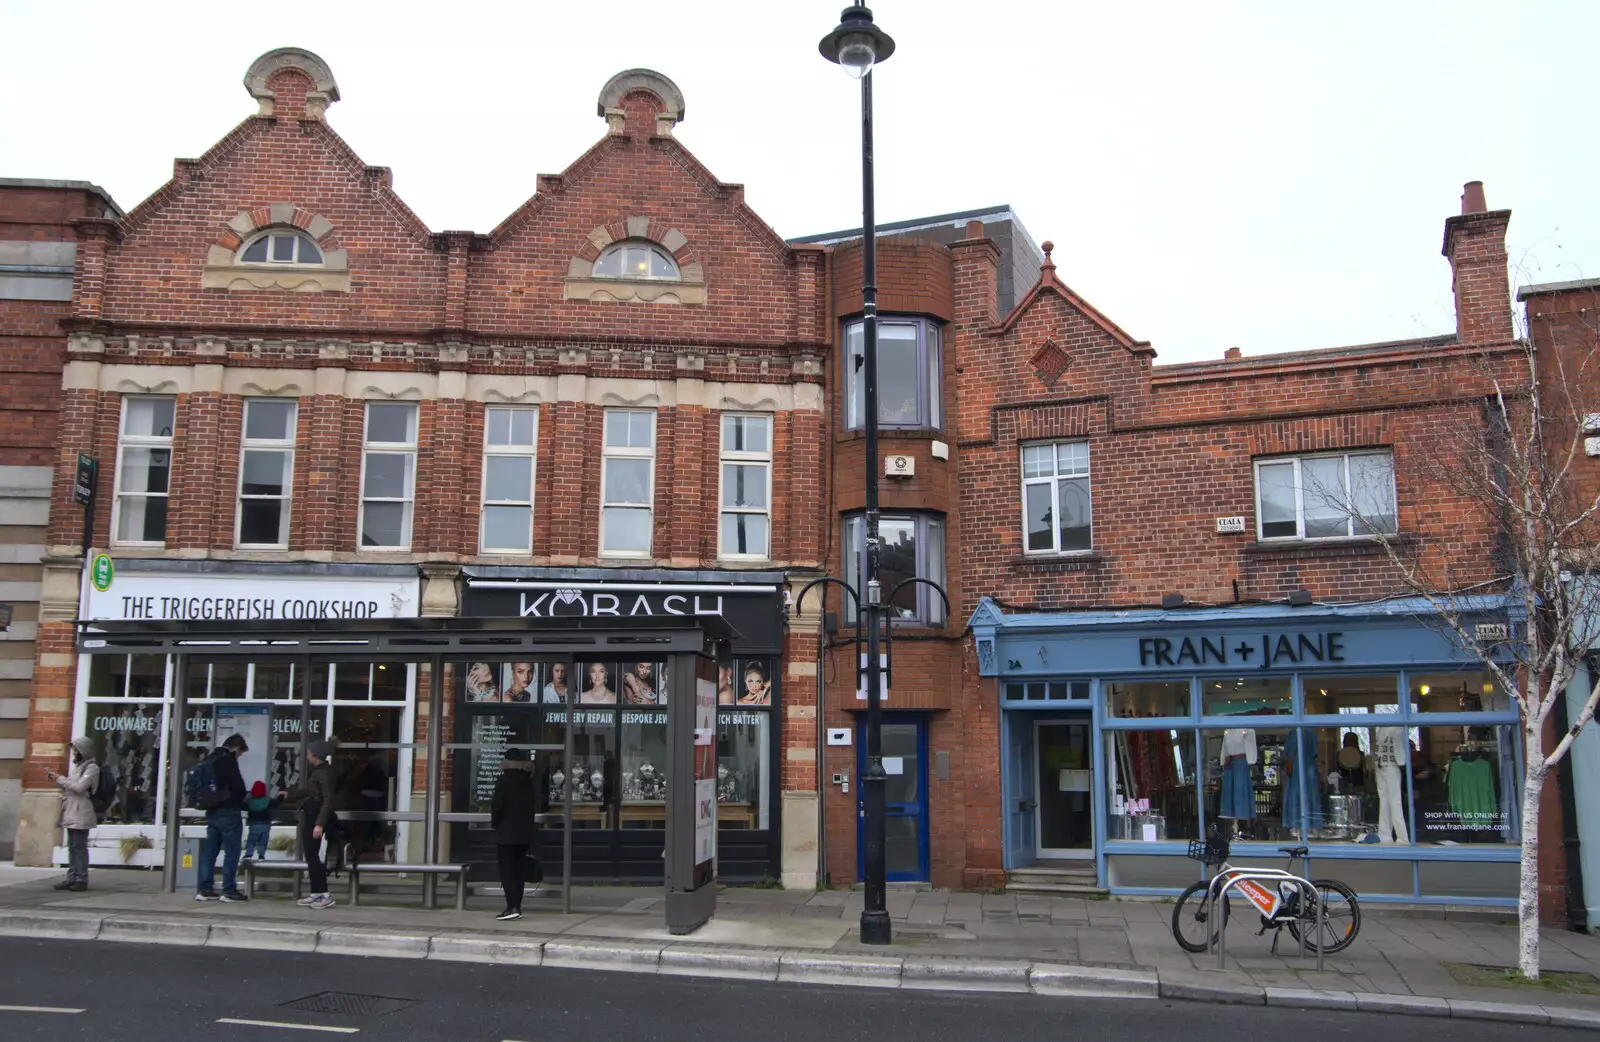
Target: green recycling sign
101,572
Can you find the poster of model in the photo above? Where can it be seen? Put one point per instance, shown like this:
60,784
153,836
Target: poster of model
705,773
254,723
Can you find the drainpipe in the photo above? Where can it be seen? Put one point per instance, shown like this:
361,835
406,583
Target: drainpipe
1577,910
822,761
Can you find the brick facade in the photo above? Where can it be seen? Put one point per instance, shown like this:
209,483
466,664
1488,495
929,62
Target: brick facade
38,242
1171,449
455,322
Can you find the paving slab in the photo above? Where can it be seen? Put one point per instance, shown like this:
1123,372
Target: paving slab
785,932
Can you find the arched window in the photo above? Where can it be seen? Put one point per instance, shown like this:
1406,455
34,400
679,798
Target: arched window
281,247
636,260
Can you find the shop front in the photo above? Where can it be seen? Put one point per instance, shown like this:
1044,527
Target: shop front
618,707
123,701
1362,731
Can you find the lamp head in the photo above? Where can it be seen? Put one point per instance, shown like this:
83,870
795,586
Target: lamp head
857,45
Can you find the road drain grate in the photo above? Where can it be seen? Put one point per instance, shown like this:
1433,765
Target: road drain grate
349,1004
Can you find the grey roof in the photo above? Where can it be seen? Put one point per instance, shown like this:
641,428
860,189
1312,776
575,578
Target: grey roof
1546,288
44,182
1313,355
996,213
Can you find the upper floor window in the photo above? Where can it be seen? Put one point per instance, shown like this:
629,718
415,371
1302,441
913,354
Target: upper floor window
388,475
1333,496
144,470
266,472
636,260
1055,497
281,247
510,442
910,546
909,373
628,482
746,485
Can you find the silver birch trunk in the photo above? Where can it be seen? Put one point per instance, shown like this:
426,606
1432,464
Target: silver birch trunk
1528,892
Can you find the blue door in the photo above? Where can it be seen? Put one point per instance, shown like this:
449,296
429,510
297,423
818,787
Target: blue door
1022,801
905,760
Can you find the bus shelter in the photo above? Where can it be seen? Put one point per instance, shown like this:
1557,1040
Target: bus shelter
690,647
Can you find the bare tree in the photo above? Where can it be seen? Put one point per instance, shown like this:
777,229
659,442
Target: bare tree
1517,465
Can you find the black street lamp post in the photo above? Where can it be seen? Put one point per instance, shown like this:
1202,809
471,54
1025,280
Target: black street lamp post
858,45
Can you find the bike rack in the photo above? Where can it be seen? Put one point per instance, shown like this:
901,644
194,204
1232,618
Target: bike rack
1230,878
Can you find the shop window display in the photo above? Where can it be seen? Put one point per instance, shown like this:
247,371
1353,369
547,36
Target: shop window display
1246,696
1148,698
127,740
618,776
742,769
1245,773
1465,784
1154,782
1465,692
1351,695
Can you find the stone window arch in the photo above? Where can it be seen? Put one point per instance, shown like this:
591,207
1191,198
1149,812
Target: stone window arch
277,247
608,265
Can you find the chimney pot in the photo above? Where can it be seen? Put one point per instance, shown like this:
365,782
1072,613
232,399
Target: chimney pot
974,229
1231,353
1472,200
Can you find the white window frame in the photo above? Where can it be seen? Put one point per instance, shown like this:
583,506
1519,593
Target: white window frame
297,235
388,448
127,441
621,249
744,458
285,446
529,452
609,453
1299,496
1054,480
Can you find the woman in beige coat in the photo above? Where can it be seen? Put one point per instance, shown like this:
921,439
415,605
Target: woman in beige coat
77,811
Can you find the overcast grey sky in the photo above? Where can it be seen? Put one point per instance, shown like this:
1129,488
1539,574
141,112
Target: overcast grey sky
1263,174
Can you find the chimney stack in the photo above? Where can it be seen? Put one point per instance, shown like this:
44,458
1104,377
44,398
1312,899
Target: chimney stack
1475,245
1232,353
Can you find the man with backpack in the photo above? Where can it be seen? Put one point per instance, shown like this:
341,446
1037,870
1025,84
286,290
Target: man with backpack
220,792
79,789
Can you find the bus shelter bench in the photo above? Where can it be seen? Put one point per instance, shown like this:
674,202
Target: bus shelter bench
430,874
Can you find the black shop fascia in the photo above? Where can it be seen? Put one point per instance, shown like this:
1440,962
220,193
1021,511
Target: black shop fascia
619,713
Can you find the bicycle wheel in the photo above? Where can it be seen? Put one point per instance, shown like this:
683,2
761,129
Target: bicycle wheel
1342,919
1190,920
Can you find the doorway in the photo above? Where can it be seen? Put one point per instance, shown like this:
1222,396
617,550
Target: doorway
905,797
1064,781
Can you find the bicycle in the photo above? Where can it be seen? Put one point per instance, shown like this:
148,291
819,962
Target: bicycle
1279,907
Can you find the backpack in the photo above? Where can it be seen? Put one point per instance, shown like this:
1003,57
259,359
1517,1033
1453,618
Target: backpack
200,788
105,793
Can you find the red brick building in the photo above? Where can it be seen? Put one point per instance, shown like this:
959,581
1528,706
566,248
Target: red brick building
38,241
1560,322
311,405
633,397
1145,561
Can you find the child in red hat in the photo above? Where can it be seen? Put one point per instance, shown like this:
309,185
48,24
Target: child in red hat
258,813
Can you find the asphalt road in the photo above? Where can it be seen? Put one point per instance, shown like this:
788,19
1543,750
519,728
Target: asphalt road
135,992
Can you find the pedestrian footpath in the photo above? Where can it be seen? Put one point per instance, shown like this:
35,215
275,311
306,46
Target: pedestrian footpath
943,940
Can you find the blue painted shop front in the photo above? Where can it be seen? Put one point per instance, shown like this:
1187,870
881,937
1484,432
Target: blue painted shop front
1362,731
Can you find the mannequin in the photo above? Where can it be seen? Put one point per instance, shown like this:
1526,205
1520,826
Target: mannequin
1390,754
1238,756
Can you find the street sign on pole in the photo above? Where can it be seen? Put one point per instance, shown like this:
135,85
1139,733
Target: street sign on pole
83,486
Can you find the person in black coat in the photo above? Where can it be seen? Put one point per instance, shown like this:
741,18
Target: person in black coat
516,800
